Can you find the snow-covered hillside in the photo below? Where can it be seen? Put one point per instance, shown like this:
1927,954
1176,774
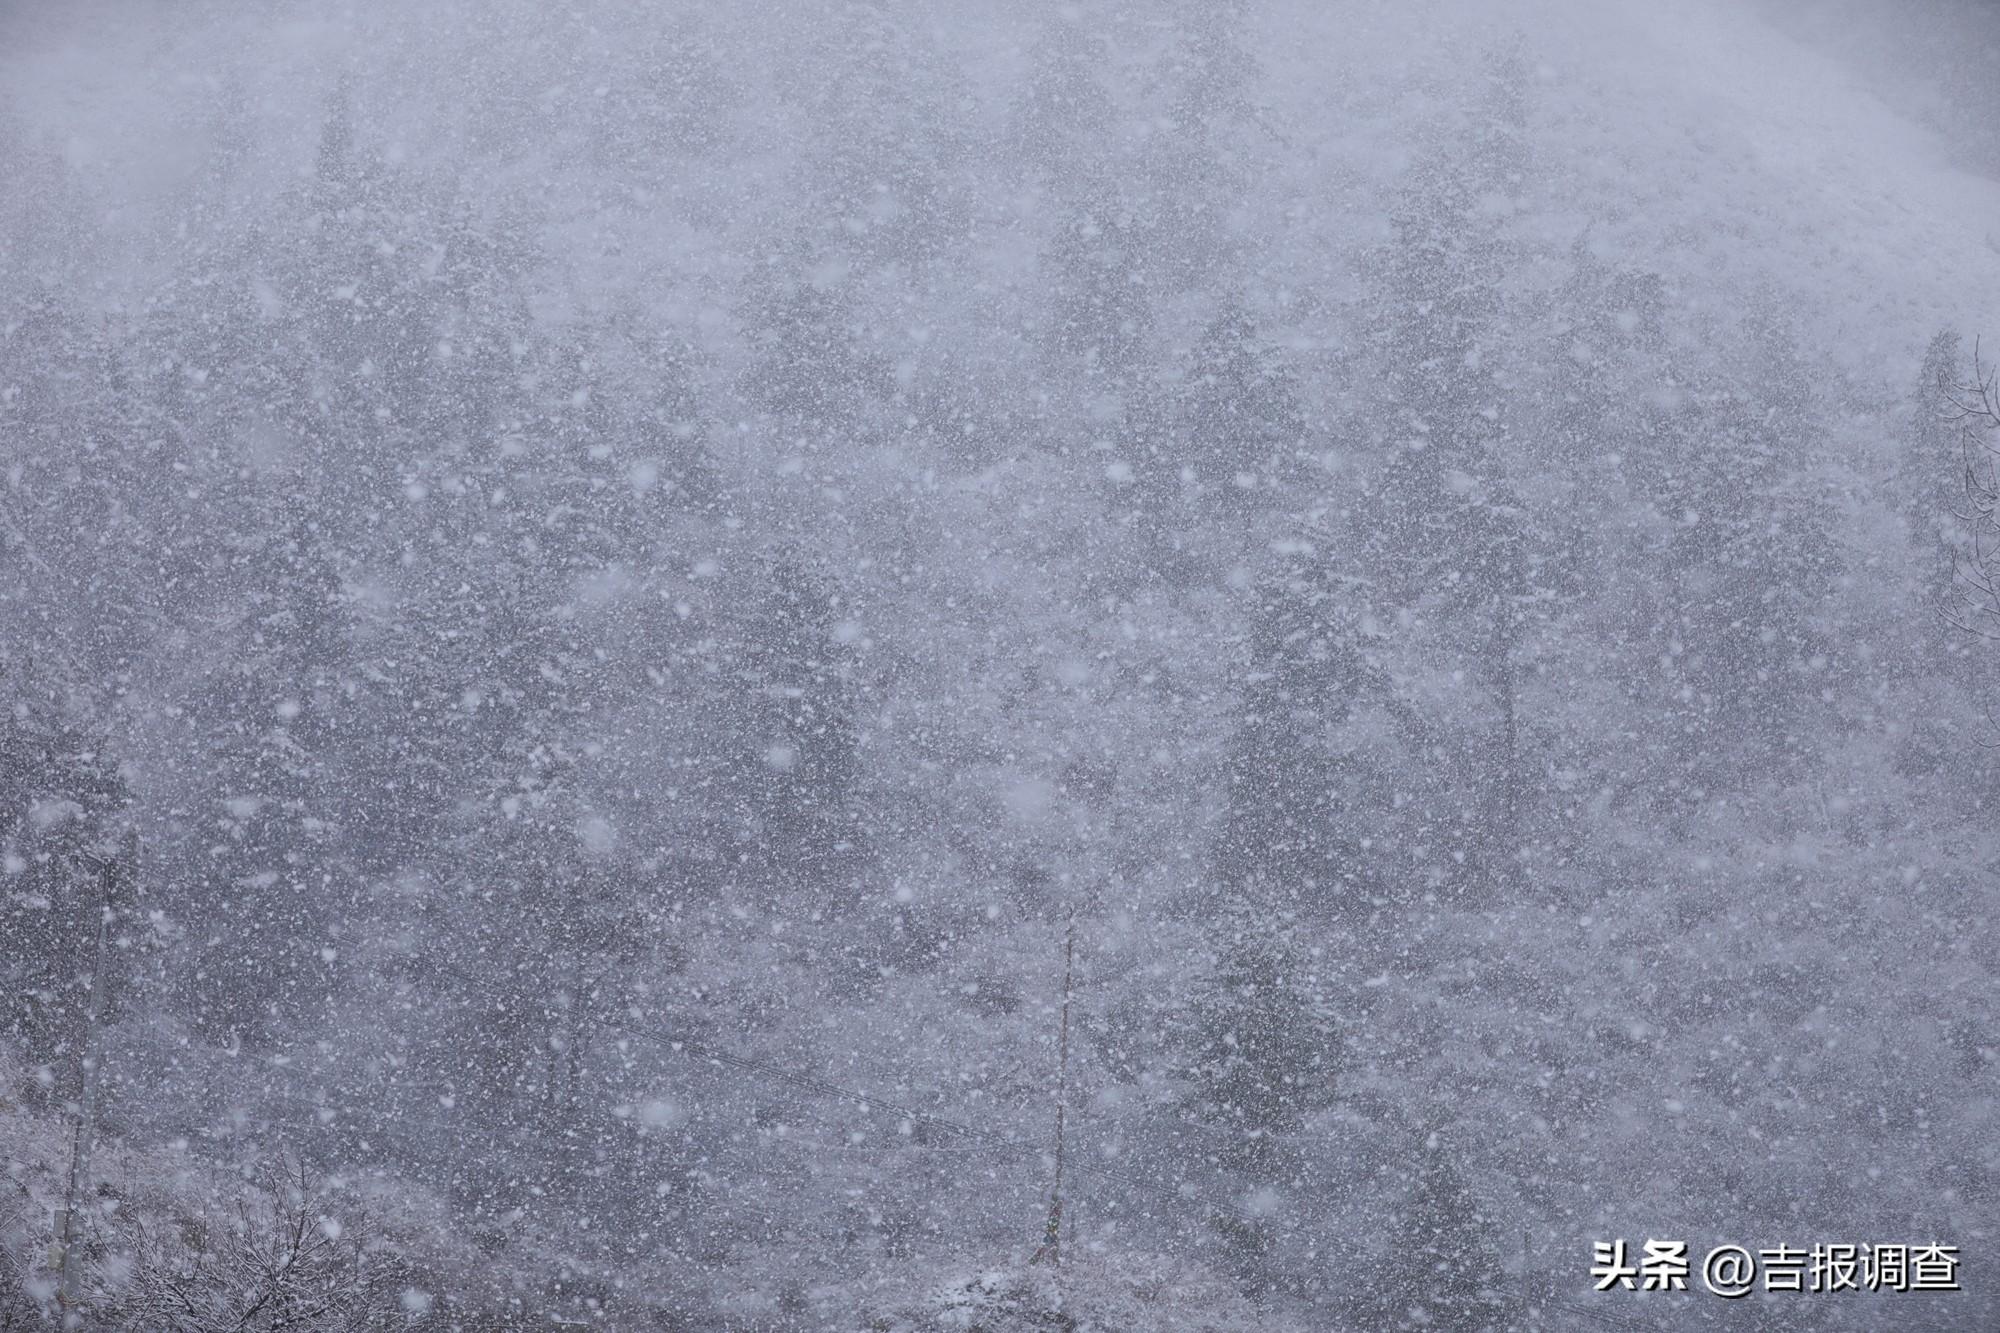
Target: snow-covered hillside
1229,664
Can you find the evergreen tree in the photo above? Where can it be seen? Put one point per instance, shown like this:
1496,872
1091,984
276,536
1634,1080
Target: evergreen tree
259,894
882,178
69,902
801,783
362,292
1065,105
1190,174
1443,366
1298,802
1447,532
1932,479
1739,645
1265,1046
1258,1052
1100,320
814,371
1442,1268
672,102
1238,423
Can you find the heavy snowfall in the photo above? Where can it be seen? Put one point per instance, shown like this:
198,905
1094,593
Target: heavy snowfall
1206,666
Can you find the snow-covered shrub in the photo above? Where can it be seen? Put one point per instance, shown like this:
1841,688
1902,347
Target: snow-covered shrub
1089,1293
280,1258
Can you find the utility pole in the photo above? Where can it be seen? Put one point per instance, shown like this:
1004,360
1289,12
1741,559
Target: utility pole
66,1260
1052,1238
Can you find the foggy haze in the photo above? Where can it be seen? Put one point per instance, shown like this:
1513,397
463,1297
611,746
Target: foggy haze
1222,665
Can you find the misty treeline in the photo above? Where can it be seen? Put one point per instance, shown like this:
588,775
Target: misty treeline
545,779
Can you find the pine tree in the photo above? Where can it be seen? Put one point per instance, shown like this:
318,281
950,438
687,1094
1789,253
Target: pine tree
1446,534
1260,1051
801,781
1931,476
68,877
259,897
670,103
882,176
1442,1269
814,371
1265,1046
1190,177
1443,365
1064,104
1297,803
1101,320
1739,649
1238,424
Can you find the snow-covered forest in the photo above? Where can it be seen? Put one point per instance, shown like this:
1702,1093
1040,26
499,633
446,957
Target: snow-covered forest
667,666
